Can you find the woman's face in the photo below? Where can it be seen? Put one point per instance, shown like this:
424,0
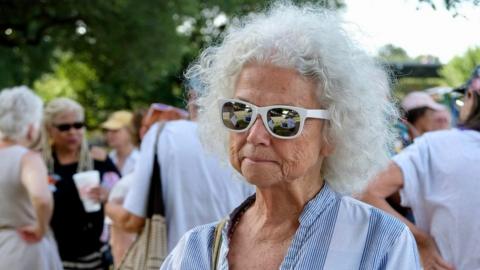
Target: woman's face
265,160
67,140
117,138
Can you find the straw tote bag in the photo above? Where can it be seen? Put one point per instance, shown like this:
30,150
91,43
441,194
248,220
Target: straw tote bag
150,248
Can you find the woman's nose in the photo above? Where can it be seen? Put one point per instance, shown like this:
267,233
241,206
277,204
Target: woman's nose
258,134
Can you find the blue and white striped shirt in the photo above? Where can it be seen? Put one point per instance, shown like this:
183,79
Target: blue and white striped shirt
335,232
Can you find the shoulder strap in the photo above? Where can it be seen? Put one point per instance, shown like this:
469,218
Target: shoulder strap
217,243
155,197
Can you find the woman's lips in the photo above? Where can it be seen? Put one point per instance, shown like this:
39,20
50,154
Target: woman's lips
73,141
257,160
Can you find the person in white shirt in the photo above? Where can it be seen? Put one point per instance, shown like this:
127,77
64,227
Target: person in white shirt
438,177
197,189
121,137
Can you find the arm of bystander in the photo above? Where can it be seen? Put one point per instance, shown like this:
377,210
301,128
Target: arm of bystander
35,179
387,183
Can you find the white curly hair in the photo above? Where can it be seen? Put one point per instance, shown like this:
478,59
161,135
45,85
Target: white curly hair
311,40
19,108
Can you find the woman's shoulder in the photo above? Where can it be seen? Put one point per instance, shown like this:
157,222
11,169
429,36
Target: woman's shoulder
358,210
193,251
202,234
365,231
14,150
180,128
374,223
447,140
448,135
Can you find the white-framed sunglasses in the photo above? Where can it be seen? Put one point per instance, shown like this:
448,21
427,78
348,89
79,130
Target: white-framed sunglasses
281,121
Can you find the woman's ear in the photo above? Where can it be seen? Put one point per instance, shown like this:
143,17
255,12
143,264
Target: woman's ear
328,145
328,148
31,133
33,136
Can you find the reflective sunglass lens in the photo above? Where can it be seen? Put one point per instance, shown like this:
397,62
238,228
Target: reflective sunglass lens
236,115
283,122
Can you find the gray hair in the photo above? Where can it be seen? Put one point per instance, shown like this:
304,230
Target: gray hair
311,40
52,110
19,108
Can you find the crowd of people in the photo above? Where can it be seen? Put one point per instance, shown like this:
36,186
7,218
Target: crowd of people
290,125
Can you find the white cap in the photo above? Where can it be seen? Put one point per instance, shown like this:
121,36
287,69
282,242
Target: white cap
415,100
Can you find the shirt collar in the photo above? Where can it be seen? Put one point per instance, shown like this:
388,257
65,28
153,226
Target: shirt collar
316,206
312,210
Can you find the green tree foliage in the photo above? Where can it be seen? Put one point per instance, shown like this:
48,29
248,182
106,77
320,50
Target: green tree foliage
458,70
69,78
110,54
392,53
405,83
395,54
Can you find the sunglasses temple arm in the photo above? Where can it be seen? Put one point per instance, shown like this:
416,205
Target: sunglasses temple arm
320,114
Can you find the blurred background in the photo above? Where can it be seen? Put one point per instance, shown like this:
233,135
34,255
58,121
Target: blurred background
125,54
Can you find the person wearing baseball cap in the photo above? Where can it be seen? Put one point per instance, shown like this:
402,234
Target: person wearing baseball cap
120,136
438,178
420,110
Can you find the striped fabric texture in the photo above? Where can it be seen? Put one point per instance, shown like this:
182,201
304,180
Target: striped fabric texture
336,232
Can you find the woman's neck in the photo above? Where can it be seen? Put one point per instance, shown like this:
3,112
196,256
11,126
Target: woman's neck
277,204
124,151
66,156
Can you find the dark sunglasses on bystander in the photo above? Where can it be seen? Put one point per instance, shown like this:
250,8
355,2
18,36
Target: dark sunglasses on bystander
67,127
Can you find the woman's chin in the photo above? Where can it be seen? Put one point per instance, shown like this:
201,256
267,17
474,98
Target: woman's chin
260,177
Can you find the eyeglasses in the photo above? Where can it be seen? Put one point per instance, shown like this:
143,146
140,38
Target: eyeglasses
67,127
281,121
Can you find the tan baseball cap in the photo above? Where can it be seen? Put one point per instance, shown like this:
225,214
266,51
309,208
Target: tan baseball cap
417,99
118,120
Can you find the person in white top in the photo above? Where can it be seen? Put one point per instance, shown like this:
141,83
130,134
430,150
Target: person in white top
421,113
197,188
438,176
121,137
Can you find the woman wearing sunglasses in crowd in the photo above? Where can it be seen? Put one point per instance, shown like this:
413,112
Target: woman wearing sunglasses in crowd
66,153
26,203
303,115
438,177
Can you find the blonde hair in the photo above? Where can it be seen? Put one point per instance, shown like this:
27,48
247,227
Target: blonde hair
52,110
312,41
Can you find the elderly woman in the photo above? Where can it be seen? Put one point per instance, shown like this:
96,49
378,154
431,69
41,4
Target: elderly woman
26,203
438,176
77,231
305,111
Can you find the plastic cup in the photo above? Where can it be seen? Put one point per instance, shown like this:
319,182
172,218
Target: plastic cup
84,180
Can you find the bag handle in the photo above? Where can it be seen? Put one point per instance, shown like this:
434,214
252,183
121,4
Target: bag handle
155,196
217,243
